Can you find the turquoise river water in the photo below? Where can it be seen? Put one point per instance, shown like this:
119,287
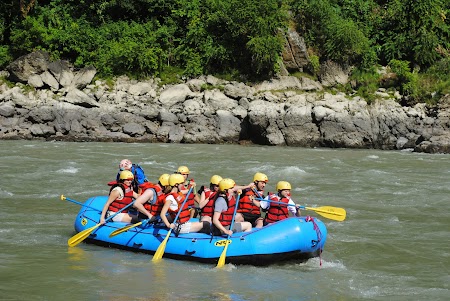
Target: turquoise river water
393,245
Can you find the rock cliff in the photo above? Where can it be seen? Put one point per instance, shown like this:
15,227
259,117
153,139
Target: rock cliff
60,103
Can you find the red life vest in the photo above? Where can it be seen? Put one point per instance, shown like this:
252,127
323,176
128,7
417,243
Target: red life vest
246,205
227,216
185,213
116,205
191,198
277,212
154,207
208,209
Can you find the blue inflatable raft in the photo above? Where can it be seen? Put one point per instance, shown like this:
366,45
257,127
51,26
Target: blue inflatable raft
295,238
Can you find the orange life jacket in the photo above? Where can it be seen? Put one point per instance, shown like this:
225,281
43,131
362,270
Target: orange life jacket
208,209
116,205
154,206
185,214
246,205
227,216
277,212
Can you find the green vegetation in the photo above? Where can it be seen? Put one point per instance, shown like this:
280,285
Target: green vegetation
239,39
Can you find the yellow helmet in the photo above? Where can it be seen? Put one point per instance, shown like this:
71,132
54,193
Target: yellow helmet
260,177
183,170
175,179
215,179
283,185
126,175
225,184
164,179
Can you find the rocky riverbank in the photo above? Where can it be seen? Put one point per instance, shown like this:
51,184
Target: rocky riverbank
53,101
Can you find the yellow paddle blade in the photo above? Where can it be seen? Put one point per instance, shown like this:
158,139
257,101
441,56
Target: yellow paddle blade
124,229
222,257
335,213
160,251
79,237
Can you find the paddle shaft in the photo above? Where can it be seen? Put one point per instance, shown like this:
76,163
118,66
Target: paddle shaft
64,198
182,205
222,257
269,201
333,213
160,251
126,228
120,211
79,237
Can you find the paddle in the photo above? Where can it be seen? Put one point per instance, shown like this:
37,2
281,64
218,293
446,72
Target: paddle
160,251
126,228
79,237
63,198
334,213
222,257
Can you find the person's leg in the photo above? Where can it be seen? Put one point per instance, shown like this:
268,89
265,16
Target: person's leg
239,218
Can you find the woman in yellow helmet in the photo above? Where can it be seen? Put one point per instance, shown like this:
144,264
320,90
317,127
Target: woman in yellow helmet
173,203
120,195
279,205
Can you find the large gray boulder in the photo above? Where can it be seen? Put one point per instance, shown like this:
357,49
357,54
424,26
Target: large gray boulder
25,66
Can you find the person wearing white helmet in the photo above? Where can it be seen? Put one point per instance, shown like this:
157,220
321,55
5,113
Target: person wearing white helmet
136,169
279,205
121,194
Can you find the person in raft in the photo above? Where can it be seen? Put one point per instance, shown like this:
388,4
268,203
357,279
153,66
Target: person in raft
224,205
136,170
278,206
249,207
120,195
151,200
207,197
173,204
193,197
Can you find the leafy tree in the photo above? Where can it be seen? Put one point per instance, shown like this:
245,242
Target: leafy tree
413,30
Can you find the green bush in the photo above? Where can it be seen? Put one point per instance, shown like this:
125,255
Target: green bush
5,57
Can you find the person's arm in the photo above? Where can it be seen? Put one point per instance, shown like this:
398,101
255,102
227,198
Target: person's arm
265,204
255,201
219,207
293,208
239,187
203,200
112,197
164,210
218,225
141,200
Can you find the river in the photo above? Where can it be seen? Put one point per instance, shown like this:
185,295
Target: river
393,245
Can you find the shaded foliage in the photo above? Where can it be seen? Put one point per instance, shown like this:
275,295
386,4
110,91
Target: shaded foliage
240,37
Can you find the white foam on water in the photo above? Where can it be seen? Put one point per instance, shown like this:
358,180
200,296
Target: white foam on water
71,169
373,157
6,193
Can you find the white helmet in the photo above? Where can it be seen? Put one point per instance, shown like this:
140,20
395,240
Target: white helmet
125,164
